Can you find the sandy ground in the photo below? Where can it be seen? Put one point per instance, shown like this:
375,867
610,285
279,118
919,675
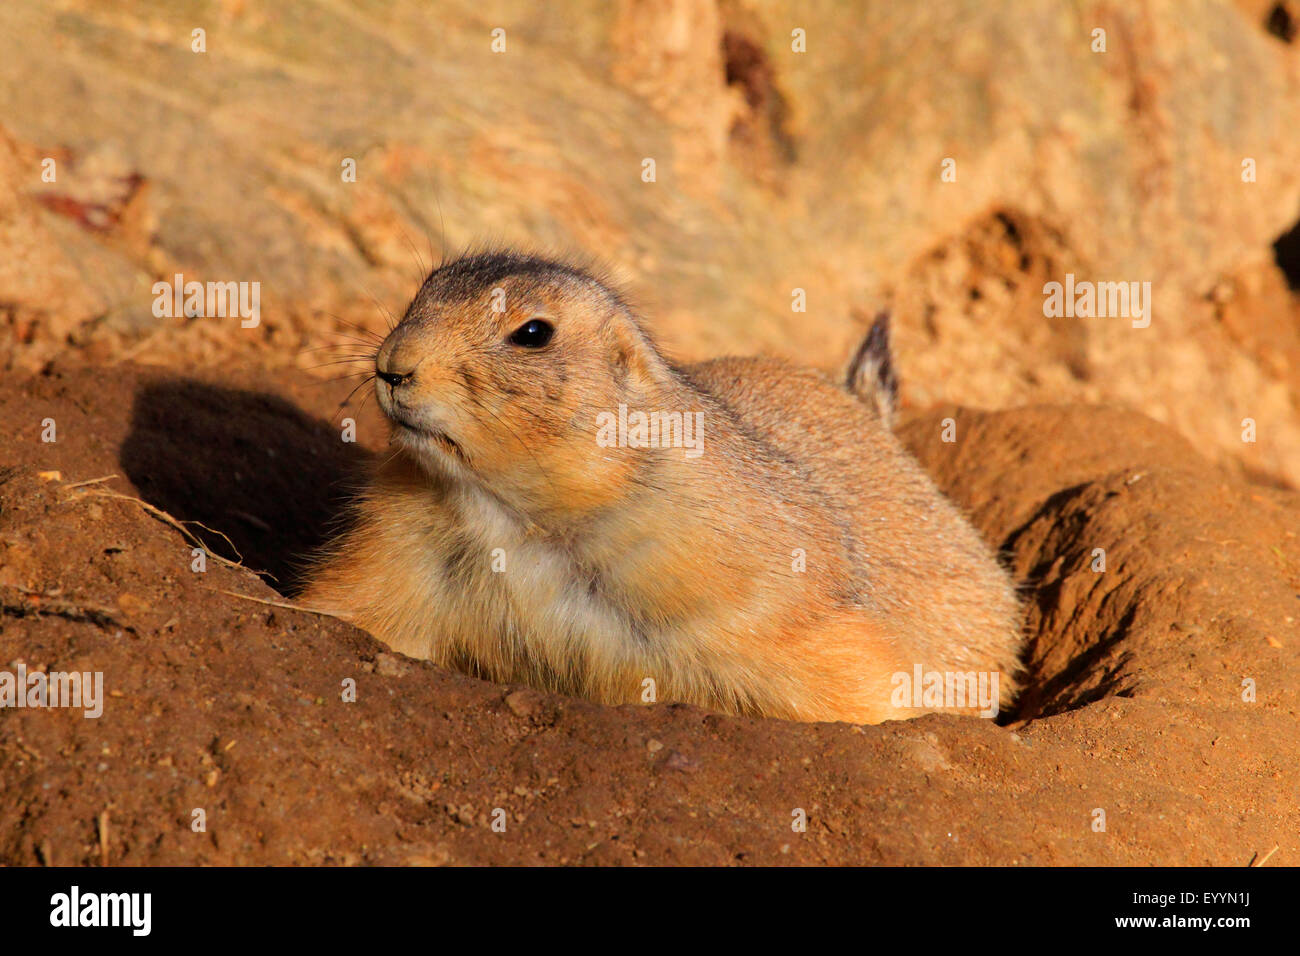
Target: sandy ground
230,706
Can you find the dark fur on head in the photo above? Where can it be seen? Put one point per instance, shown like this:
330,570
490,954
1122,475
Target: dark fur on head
473,273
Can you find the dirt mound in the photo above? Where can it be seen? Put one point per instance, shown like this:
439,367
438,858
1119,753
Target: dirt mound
1139,703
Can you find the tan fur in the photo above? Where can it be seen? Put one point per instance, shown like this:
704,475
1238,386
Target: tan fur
627,564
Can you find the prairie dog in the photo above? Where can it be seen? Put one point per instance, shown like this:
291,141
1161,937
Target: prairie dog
785,557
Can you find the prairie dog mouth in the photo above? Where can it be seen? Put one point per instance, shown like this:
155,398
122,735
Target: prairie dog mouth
435,437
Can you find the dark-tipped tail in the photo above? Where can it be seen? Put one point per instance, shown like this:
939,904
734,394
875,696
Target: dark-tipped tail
871,373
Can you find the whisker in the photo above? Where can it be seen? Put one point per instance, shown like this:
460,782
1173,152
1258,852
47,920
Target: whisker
442,230
344,404
355,360
415,252
364,398
355,327
370,343
338,345
334,379
392,319
351,355
390,458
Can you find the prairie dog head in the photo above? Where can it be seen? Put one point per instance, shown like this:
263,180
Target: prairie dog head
497,373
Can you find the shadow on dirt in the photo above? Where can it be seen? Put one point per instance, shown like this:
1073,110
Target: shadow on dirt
248,465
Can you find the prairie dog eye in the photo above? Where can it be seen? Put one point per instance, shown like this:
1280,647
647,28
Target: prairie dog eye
533,334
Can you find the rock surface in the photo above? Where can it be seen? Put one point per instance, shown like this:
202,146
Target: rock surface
775,170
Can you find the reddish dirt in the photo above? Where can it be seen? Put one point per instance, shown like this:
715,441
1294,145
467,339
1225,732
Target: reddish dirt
1135,704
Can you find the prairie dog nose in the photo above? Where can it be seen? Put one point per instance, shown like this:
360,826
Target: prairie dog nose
394,379
396,362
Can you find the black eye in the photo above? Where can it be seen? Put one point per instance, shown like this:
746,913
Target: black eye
533,334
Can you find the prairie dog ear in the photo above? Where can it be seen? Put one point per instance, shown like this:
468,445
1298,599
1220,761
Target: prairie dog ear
871,374
635,360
